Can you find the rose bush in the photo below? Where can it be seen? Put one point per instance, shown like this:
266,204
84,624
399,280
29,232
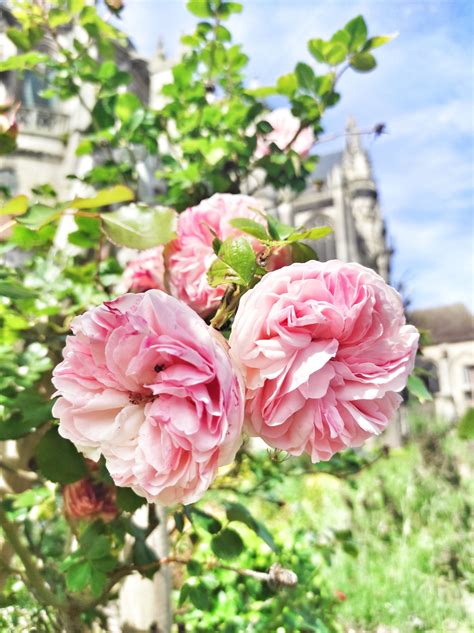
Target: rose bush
145,386
148,385
325,349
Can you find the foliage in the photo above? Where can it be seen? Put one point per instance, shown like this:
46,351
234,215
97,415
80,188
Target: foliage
203,141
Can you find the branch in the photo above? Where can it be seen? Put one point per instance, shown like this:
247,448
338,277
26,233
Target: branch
36,582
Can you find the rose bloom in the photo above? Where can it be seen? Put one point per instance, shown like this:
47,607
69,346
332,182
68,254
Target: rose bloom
146,271
285,126
324,349
147,384
190,255
89,499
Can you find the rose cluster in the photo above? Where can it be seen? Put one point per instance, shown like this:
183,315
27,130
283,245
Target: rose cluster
319,352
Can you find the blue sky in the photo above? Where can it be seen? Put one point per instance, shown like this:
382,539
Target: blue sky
423,89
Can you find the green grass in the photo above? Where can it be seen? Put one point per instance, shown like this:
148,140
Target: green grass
409,566
410,519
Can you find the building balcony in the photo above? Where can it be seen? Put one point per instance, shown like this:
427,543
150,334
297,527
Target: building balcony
42,122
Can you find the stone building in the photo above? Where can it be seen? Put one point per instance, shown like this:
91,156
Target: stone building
448,356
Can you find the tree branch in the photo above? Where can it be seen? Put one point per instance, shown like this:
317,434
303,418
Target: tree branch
36,582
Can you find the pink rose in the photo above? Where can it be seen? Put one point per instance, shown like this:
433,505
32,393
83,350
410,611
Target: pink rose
190,255
324,349
146,271
146,383
285,126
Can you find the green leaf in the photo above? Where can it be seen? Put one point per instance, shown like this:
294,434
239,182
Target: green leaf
112,195
277,229
199,596
287,84
128,500
466,425
301,252
378,40
19,38
310,234
137,226
39,215
58,459
29,411
357,30
238,258
78,576
335,53
417,388
246,225
199,8
227,544
204,520
125,106
316,48
225,9
99,548
143,555
15,290
238,512
22,62
363,62
305,76
98,580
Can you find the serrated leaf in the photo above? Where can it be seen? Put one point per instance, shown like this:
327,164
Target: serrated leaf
15,206
310,234
363,62
239,257
59,460
246,225
227,544
104,198
140,227
78,576
417,388
128,500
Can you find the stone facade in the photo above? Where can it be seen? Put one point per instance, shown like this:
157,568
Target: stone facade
448,356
